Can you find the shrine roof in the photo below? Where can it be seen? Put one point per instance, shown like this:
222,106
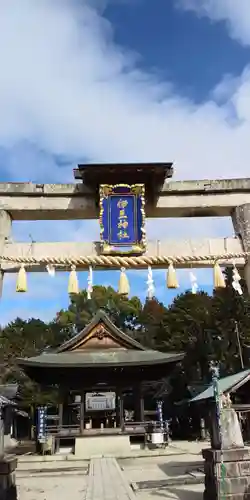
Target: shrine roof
152,174
108,358
100,344
101,318
226,384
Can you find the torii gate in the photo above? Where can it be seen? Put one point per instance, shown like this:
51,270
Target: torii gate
163,198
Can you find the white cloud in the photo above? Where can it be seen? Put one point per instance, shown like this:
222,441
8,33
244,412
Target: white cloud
66,89
69,90
235,13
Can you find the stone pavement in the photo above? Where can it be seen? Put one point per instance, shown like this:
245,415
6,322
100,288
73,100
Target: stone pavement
167,477
63,487
194,492
106,481
41,478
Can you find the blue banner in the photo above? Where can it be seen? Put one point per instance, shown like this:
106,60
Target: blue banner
122,217
159,409
41,422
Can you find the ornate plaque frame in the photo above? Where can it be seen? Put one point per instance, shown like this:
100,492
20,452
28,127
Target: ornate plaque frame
131,237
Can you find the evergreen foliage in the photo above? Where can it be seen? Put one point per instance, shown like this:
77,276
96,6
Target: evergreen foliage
202,326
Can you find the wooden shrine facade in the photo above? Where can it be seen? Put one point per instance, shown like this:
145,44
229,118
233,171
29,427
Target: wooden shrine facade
101,360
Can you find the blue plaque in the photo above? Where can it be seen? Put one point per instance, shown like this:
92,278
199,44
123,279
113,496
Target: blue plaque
122,218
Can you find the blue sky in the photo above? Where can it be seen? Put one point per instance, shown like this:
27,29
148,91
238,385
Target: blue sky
120,81
191,52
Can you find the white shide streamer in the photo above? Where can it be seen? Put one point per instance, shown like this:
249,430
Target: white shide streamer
150,283
90,283
194,284
236,281
51,270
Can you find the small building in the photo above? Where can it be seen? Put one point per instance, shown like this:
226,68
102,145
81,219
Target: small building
95,371
238,386
7,413
13,417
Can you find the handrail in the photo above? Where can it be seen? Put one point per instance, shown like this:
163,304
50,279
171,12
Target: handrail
58,428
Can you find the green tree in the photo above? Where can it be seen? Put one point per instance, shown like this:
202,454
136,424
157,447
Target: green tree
200,325
187,325
122,311
24,339
151,325
231,310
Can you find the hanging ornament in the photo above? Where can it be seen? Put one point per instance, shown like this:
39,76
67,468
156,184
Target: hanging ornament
90,283
172,281
21,284
73,286
236,281
150,283
219,281
123,287
51,270
194,284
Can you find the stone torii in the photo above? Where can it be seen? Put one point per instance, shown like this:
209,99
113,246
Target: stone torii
164,198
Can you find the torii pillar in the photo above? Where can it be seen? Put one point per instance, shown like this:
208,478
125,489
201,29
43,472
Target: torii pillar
241,223
5,230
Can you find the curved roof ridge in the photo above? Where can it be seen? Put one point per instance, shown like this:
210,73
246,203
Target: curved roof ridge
101,315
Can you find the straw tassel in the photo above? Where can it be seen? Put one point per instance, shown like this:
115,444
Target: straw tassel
21,284
73,287
219,281
172,281
123,287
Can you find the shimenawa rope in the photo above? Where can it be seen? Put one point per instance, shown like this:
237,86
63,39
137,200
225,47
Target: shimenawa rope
123,261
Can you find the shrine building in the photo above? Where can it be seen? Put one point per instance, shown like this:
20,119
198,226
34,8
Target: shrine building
94,371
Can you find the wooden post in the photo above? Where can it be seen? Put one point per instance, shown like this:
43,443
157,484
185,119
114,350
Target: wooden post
142,417
82,411
32,422
60,415
1,431
138,403
121,410
117,407
5,230
60,424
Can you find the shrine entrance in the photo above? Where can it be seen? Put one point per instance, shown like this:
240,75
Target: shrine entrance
122,196
100,365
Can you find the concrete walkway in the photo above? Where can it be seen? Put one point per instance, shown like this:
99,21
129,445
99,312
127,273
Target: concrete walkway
106,481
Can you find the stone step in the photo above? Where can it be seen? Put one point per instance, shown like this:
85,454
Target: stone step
185,479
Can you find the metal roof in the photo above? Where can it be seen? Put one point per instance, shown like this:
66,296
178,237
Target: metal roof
9,391
110,357
226,384
6,402
21,413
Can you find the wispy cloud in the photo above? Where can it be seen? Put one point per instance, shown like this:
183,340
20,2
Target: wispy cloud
235,13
